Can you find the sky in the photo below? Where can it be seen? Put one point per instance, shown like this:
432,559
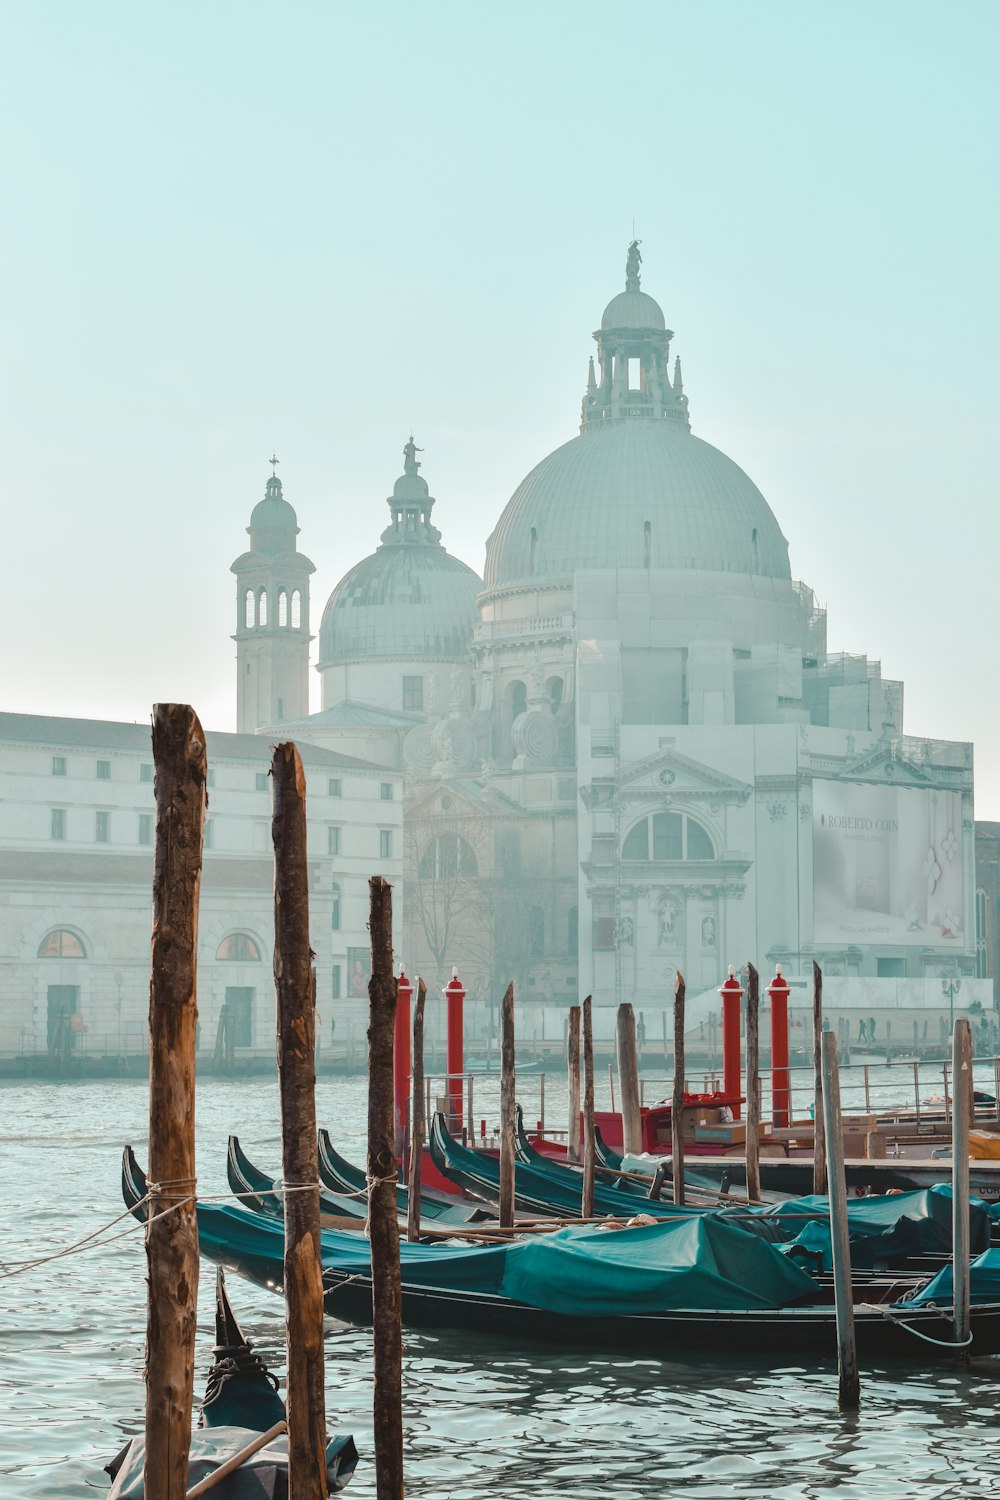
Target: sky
233,229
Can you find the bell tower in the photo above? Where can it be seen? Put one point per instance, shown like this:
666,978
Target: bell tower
272,617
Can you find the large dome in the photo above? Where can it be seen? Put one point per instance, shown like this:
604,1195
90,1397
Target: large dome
633,494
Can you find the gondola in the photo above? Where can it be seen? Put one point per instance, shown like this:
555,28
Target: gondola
450,1286
241,1401
264,1195
442,1209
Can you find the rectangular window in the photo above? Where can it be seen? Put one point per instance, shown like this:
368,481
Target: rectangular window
146,770
102,827
145,828
890,968
333,787
604,933
104,770
336,981
385,791
385,843
413,694
59,765
333,839
58,830
260,781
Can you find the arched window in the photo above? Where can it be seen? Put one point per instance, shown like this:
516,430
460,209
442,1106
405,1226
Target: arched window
248,608
335,918
667,836
536,932
61,943
296,610
262,607
238,948
446,857
282,609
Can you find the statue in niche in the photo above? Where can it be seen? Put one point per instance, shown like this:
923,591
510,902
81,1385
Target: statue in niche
634,259
708,932
537,674
666,922
626,932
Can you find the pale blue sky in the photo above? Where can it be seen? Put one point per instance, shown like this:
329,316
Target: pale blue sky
237,226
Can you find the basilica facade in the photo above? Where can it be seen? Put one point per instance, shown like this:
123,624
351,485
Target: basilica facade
626,748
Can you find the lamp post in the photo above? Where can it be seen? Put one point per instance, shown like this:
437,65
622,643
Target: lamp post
951,987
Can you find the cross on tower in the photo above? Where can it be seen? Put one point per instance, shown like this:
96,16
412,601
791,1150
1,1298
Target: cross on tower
274,462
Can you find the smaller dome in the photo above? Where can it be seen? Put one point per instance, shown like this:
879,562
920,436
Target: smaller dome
401,602
273,521
633,309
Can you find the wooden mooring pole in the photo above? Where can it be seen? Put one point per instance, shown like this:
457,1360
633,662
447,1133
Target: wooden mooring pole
508,1095
172,1238
419,1124
819,1129
295,984
847,1358
589,1137
753,1085
677,1100
961,1121
573,1080
628,1079
383,1230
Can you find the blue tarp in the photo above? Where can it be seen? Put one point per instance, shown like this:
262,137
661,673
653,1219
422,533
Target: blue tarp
694,1263
984,1276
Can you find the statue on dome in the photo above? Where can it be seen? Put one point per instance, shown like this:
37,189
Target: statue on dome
410,451
634,262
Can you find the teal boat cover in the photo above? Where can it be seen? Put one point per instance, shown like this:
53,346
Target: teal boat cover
259,1478
687,1263
984,1283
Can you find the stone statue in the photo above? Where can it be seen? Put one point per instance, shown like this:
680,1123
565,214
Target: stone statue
634,260
410,451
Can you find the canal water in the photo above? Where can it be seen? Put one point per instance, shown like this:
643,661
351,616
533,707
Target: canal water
482,1417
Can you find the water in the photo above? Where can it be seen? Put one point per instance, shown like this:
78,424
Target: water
481,1418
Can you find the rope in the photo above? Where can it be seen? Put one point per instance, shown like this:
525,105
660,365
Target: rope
939,1343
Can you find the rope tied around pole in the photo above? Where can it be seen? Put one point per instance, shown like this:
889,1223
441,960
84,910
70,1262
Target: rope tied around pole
927,1338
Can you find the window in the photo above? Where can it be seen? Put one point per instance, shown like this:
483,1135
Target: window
296,610
104,770
413,694
59,765
385,843
58,827
209,778
146,770
604,933
209,834
61,944
260,781
335,911
102,827
248,609
385,791
282,610
262,607
145,828
336,982
447,856
667,836
238,948
334,787
333,839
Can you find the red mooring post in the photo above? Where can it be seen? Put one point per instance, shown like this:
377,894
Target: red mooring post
401,1066
778,994
732,1073
454,993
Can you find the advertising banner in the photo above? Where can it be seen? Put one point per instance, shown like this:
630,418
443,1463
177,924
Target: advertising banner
887,865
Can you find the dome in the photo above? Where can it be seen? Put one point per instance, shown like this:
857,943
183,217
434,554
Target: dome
633,309
404,601
273,522
631,494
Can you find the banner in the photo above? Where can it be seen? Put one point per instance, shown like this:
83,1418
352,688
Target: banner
887,865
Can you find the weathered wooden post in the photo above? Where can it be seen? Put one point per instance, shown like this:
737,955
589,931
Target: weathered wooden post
847,1359
418,1124
508,1094
589,1136
172,1238
401,1123
628,1079
677,1100
753,1085
961,1075
294,981
573,1076
383,1229
819,1131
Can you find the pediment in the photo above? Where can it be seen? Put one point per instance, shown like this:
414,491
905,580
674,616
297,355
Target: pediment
668,772
881,765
